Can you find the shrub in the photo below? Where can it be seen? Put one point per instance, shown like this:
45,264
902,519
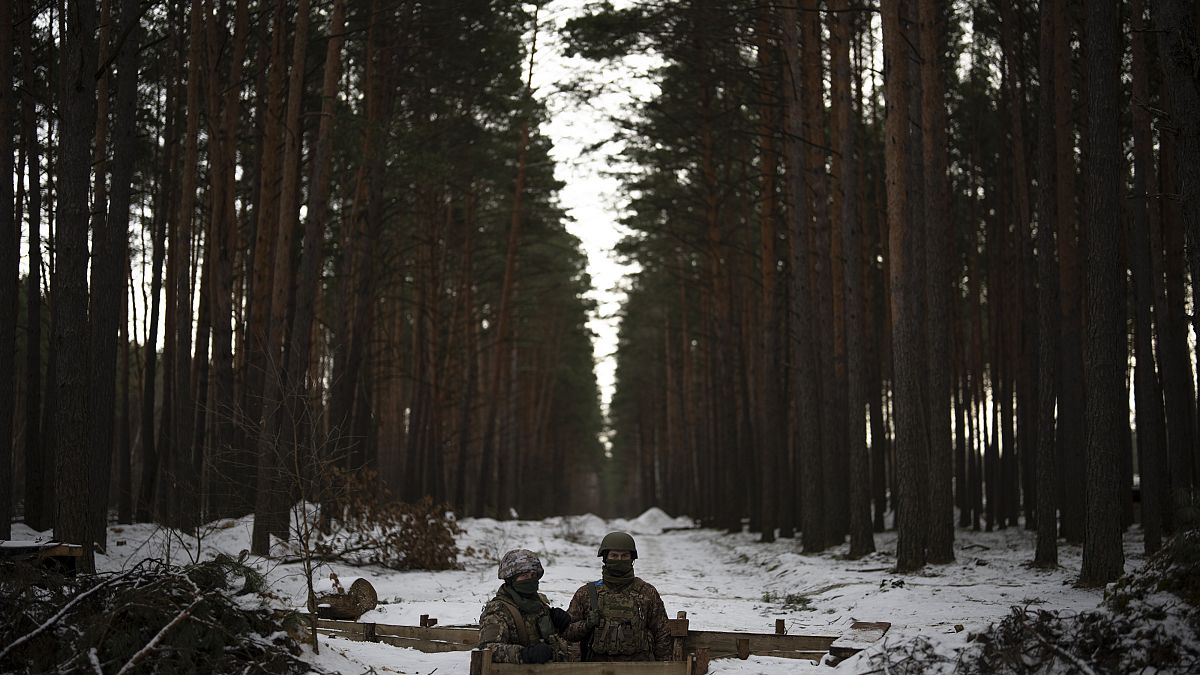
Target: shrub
151,618
369,526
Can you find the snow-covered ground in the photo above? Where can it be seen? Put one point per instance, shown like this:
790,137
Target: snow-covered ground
722,581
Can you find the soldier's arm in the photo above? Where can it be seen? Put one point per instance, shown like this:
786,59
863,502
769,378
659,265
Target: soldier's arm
660,631
578,629
497,633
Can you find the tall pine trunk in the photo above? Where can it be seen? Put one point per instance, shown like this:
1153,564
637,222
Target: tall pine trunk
1071,436
1105,357
39,477
845,168
110,241
911,509
77,109
9,264
807,431
938,282
1151,429
1046,554
1179,51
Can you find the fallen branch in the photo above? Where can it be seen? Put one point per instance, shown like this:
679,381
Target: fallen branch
58,615
144,651
1077,662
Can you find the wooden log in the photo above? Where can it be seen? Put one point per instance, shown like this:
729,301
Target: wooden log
333,599
780,627
723,644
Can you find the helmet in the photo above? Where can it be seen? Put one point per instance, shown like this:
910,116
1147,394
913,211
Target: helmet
617,541
519,561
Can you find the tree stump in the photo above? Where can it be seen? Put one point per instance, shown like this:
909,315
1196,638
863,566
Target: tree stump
333,599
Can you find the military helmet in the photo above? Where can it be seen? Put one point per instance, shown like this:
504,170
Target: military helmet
520,561
617,541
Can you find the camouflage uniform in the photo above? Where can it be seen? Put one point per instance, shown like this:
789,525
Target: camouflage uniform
630,623
498,630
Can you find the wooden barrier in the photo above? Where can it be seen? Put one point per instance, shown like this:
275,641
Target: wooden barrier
690,646
482,664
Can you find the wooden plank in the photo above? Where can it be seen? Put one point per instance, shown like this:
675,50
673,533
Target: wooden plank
460,636
602,668
861,635
724,644
427,646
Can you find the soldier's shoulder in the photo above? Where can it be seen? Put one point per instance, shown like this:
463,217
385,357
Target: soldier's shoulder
494,606
645,587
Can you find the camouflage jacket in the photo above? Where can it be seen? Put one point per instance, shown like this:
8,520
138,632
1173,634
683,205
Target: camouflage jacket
499,631
629,624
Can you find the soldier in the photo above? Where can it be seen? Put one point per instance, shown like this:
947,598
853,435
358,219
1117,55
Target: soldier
620,617
519,625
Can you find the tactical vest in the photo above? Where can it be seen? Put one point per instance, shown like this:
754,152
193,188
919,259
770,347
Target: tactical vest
545,627
621,630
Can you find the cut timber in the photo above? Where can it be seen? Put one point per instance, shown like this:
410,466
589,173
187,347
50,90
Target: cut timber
860,636
466,637
721,644
430,640
333,600
50,554
481,664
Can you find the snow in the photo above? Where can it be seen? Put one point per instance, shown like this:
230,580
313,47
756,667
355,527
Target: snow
722,581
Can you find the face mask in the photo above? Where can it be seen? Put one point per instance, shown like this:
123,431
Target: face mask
618,568
527,587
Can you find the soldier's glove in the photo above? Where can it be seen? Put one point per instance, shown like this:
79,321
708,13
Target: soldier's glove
537,653
560,618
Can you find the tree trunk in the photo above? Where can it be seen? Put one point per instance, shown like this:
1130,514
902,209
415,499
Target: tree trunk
146,500
500,344
1175,24
1046,554
812,73
1071,436
807,432
257,332
77,97
229,477
39,477
110,240
770,418
316,221
845,168
911,510
938,284
1151,429
9,268
1105,357
275,456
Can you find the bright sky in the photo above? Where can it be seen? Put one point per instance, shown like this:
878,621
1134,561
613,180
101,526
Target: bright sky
591,196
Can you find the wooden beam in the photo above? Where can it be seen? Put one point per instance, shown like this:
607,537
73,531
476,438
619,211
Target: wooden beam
860,636
723,644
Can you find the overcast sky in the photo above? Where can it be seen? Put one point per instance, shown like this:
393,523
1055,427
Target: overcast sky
591,197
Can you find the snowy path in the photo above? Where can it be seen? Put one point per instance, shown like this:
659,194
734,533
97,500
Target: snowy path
723,582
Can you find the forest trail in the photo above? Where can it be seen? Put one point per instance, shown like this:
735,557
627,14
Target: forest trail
723,582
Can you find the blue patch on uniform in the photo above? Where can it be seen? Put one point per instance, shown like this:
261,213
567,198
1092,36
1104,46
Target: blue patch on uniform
598,583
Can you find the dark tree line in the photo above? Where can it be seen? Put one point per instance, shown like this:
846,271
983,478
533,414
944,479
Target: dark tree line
884,254
263,240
